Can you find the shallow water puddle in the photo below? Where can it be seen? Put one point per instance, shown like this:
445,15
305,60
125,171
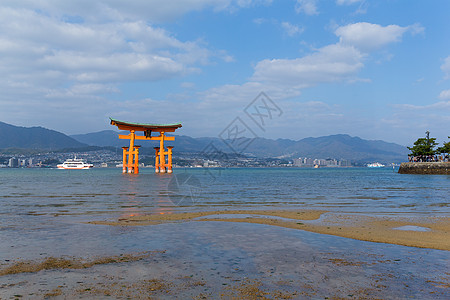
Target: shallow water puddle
412,228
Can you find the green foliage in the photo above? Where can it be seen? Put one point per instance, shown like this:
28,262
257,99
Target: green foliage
424,146
51,162
19,151
445,148
34,138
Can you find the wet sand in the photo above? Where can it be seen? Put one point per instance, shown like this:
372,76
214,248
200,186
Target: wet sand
380,229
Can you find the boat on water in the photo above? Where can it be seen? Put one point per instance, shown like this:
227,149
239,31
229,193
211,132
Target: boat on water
75,164
375,165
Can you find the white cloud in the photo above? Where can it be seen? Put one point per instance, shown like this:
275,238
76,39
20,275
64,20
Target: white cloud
61,55
231,99
83,89
416,29
308,7
437,107
285,78
48,53
330,63
347,2
118,10
65,56
446,67
259,21
335,62
187,85
445,95
291,29
369,37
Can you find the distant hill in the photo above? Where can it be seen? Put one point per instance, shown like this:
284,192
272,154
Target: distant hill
34,138
101,138
350,148
340,146
110,138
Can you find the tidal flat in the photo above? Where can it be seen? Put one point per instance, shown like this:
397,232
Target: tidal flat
228,260
102,235
424,231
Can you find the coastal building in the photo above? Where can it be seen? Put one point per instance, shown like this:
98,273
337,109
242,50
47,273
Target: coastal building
298,162
344,163
308,161
320,162
329,162
13,162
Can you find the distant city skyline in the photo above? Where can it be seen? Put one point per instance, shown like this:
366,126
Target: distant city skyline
376,70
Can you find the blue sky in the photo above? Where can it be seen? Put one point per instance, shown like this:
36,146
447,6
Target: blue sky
373,69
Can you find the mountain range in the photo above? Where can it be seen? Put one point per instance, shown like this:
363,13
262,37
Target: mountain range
340,146
34,138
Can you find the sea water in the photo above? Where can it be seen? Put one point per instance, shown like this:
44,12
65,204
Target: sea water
44,212
33,195
33,192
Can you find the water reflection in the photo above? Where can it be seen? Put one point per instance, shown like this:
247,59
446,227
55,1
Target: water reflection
131,207
144,194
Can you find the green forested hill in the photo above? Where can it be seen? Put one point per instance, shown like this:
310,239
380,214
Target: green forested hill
34,138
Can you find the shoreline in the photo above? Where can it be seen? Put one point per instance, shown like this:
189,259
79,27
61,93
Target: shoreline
414,231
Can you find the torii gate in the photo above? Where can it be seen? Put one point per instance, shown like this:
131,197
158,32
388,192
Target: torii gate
131,153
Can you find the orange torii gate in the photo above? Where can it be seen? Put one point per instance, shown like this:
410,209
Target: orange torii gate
131,153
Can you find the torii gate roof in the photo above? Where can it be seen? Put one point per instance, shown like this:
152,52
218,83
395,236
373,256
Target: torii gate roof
122,125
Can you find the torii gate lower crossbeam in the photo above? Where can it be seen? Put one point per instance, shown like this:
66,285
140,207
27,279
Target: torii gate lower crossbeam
131,154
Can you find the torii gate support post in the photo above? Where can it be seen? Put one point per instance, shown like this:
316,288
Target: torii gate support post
136,160
169,159
162,157
156,159
124,159
131,156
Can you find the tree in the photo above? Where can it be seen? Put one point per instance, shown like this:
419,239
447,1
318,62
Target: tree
445,148
424,146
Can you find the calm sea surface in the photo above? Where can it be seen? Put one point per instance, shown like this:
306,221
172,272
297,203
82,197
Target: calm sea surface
37,198
52,192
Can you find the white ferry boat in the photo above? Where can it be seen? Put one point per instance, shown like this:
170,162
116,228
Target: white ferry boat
375,165
75,164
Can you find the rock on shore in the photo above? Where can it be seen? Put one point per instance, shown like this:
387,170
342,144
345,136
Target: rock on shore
442,168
